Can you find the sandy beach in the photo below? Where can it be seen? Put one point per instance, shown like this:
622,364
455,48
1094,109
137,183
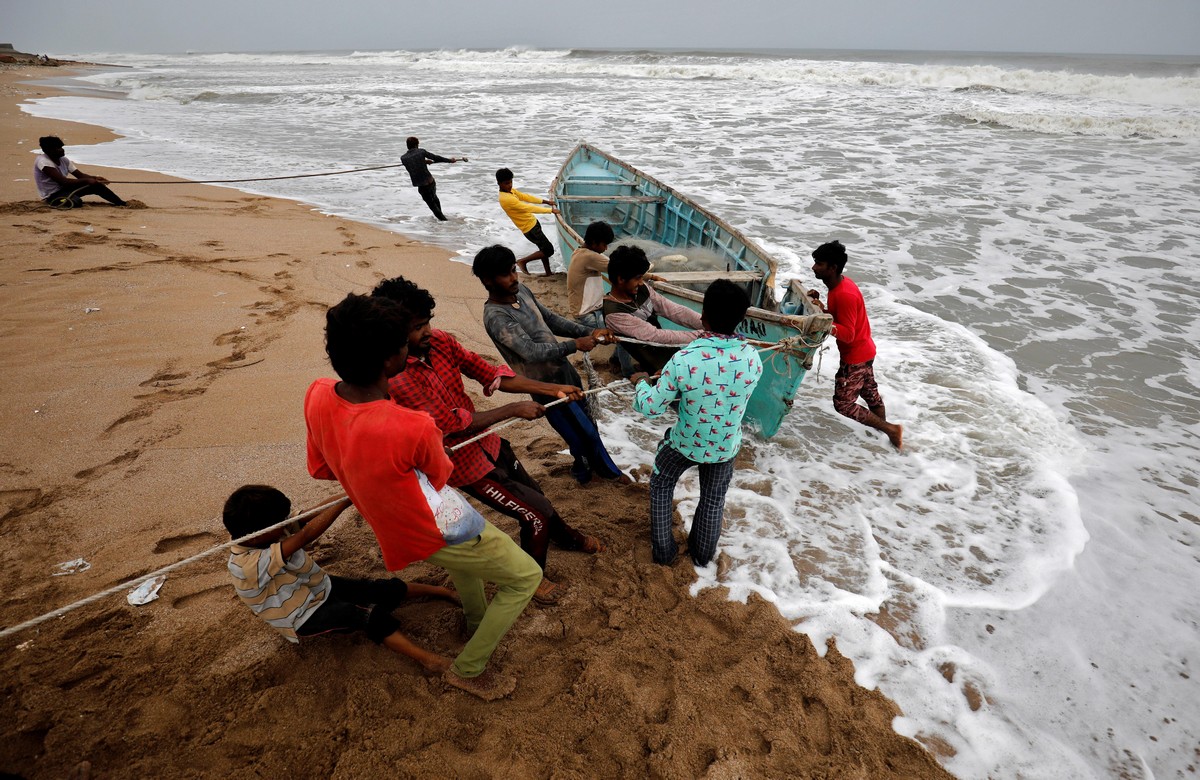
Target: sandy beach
155,358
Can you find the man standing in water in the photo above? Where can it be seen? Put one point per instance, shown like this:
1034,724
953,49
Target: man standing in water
416,161
856,377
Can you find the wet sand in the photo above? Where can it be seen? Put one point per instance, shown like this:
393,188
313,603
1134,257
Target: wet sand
156,358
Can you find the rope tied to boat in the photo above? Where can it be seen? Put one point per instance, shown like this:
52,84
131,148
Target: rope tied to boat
794,345
133,583
789,342
68,201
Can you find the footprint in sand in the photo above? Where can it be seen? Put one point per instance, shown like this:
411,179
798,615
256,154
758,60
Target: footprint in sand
213,594
117,462
820,734
163,378
173,543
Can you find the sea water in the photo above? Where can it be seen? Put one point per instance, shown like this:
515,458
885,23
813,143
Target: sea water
1022,581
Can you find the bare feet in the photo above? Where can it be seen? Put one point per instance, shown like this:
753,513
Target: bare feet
523,266
548,593
724,564
435,664
895,434
445,594
420,590
488,686
592,545
429,661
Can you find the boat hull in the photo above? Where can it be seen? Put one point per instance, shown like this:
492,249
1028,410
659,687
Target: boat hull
594,186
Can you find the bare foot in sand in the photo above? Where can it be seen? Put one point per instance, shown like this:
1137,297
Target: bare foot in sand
488,686
416,589
436,664
429,661
592,545
523,266
724,564
548,593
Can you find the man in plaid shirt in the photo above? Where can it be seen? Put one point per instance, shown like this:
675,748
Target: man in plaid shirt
486,469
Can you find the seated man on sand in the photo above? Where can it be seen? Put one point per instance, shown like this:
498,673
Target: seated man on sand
488,470
391,463
275,577
631,311
50,172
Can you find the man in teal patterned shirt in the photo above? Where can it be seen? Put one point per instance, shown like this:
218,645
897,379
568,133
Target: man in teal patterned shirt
712,379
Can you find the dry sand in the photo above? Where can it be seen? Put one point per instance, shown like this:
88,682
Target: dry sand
125,427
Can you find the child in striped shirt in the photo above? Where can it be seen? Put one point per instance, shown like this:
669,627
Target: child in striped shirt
281,584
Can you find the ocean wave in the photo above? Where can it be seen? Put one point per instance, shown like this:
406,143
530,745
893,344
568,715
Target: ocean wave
1106,127
463,55
985,89
1163,90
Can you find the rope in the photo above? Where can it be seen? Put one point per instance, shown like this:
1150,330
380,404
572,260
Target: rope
787,342
139,580
133,583
68,201
515,420
265,178
594,380
128,584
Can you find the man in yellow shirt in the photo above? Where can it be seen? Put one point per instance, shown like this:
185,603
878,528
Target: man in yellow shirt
521,209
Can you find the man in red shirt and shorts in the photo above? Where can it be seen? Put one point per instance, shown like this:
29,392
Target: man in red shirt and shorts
852,330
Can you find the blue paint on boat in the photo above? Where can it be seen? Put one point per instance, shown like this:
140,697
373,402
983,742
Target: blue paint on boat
593,185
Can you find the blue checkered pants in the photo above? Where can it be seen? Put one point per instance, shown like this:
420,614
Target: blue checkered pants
669,464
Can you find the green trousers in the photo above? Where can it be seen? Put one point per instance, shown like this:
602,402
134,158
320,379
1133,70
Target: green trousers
491,557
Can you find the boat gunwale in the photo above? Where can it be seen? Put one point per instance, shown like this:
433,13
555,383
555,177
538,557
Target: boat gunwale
754,312
768,280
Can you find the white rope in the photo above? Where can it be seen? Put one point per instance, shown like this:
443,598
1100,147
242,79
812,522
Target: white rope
515,420
787,342
128,584
139,580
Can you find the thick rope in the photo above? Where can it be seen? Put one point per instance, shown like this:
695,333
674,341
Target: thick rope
67,201
139,580
128,584
786,343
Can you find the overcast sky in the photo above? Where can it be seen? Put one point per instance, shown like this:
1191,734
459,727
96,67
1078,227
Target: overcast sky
1064,26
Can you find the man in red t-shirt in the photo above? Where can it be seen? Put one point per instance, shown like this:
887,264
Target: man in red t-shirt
852,330
375,448
488,469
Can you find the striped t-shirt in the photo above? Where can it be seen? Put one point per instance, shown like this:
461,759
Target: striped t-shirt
283,593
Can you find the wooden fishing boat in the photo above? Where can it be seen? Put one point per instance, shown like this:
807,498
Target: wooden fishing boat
694,248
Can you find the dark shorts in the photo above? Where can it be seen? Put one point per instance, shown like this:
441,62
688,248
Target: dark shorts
538,238
358,605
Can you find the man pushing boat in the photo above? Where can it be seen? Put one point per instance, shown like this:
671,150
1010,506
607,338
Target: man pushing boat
852,330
